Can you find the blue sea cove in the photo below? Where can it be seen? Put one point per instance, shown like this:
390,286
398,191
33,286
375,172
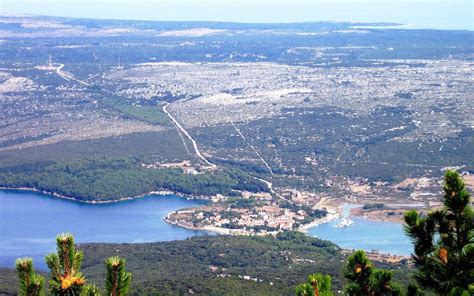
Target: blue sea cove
384,237
30,222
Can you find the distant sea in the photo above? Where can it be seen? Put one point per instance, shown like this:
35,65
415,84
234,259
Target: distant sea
424,14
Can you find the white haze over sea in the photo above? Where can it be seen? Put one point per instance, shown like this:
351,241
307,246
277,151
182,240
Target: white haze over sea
450,14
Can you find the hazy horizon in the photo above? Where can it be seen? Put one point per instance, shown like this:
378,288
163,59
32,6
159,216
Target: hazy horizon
420,14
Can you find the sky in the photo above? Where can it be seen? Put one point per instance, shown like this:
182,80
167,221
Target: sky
438,14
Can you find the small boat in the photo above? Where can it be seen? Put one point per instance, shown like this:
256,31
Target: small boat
344,223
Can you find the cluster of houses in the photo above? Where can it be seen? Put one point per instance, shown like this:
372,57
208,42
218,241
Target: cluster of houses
245,221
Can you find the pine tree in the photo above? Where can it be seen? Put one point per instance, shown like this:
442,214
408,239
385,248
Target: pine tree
414,290
90,290
31,283
317,285
117,280
66,278
365,280
444,242
304,289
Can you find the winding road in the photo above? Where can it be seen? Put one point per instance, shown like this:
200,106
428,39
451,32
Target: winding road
181,129
58,70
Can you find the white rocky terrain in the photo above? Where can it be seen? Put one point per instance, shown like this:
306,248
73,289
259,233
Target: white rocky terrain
436,92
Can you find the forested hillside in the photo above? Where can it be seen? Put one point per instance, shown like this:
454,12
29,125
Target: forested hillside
216,265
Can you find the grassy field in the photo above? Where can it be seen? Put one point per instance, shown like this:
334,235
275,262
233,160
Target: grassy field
150,114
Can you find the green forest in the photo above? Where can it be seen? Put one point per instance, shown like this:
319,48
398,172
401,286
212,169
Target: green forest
106,179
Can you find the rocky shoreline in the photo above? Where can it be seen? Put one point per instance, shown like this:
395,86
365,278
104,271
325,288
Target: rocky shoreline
109,201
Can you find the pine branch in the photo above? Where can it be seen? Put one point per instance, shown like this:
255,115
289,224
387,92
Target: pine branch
31,283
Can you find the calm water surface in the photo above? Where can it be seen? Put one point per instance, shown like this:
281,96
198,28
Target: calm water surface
386,237
30,221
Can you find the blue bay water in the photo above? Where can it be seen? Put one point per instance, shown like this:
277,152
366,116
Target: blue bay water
30,221
368,235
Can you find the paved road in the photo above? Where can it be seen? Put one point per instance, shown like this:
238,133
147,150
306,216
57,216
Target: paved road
58,71
181,128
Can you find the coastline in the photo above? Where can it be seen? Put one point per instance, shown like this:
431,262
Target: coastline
334,211
303,228
328,218
216,229
334,214
373,255
108,201
226,231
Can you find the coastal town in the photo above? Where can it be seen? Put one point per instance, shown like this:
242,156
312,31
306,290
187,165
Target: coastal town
265,214
257,214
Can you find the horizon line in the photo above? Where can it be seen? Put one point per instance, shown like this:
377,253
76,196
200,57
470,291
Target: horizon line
375,24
